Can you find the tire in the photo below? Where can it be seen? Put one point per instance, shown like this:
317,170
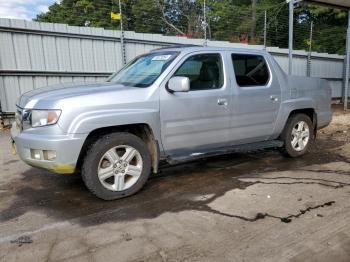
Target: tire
291,134
112,170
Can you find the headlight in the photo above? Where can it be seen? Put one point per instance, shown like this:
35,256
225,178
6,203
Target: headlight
44,117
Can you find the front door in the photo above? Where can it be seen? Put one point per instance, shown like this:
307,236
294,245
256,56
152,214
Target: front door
256,98
197,121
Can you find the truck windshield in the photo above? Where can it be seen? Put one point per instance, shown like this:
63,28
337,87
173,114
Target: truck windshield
143,70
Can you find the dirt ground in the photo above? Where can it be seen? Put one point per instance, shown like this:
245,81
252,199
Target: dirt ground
240,207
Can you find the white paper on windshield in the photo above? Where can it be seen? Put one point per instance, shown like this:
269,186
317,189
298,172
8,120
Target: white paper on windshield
161,57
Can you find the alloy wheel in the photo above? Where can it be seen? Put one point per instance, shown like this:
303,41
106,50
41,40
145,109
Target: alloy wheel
300,136
120,168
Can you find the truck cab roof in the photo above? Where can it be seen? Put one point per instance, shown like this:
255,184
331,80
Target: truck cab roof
195,48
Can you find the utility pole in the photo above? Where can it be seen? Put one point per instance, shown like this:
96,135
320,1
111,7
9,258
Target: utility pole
205,24
347,66
122,34
265,29
290,45
308,70
253,29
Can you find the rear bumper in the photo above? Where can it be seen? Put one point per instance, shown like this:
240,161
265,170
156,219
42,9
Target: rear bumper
323,119
66,147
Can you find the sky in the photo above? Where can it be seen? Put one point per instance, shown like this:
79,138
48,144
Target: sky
23,9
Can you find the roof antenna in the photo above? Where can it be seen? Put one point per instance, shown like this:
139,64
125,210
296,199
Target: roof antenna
204,25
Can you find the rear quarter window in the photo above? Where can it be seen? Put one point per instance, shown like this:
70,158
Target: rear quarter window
250,70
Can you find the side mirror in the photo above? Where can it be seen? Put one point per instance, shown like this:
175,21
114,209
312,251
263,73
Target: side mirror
179,84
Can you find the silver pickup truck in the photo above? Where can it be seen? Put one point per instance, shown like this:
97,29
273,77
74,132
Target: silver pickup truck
173,104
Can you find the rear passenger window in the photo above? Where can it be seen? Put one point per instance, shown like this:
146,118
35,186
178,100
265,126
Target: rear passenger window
250,70
204,71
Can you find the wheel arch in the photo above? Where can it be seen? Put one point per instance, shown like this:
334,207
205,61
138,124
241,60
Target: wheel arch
142,130
309,111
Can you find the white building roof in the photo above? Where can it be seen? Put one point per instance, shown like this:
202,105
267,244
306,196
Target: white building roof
335,3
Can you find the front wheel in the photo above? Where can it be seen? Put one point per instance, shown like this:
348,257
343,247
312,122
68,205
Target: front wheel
298,135
116,165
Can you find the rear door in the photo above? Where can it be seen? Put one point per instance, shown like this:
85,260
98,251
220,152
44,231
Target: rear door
256,97
197,121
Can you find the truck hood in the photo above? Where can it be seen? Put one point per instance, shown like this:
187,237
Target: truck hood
48,97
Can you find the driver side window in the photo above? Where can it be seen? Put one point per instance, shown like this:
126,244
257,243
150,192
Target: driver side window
204,71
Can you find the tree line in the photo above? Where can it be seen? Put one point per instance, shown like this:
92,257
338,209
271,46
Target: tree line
230,20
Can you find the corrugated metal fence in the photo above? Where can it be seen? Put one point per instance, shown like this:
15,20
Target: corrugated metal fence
35,54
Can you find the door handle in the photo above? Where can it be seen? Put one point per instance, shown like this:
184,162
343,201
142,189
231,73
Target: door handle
222,102
274,98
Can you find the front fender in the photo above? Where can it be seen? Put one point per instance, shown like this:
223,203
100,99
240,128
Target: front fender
86,122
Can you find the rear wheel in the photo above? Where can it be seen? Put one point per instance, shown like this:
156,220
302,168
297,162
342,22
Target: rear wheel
117,165
298,135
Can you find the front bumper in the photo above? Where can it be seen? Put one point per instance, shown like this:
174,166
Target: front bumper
67,148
